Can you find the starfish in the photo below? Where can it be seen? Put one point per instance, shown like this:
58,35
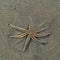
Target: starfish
29,33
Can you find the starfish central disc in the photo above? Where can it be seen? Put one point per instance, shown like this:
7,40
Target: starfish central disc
32,32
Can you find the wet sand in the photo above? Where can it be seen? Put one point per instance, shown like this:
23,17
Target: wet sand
17,12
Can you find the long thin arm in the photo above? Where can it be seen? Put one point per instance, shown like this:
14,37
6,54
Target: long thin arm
26,43
41,30
42,35
18,36
18,28
30,23
42,24
35,39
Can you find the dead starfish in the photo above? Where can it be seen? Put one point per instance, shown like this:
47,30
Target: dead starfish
31,33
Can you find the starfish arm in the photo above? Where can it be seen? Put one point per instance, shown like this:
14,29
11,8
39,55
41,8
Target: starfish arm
43,35
30,23
35,39
19,36
41,30
18,28
26,43
43,23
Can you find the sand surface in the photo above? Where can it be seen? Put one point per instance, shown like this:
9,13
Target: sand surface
17,12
